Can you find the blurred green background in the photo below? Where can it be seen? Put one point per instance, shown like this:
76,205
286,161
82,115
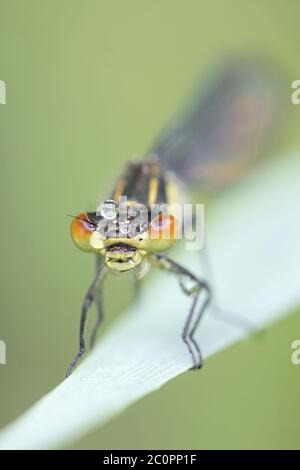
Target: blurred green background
89,84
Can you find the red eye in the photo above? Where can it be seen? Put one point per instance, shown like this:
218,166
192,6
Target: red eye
163,227
81,231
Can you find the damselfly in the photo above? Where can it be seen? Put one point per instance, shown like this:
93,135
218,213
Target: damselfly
210,145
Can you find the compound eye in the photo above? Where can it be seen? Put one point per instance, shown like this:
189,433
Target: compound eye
162,227
161,233
81,231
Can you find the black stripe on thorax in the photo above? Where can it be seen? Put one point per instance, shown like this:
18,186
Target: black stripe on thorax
140,180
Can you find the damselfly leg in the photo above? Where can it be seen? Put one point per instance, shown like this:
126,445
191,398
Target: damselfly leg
194,316
99,305
220,313
88,300
100,316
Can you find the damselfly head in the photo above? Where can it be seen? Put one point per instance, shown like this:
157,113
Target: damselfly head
123,240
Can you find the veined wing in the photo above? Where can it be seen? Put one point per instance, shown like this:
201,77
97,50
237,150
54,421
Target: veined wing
224,129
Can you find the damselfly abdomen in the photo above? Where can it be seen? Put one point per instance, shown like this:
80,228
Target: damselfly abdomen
210,145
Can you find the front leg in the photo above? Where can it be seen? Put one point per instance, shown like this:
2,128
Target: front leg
98,303
88,300
193,317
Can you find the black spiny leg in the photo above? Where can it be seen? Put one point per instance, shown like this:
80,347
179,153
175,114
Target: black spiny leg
233,318
99,319
99,305
219,312
194,317
88,300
